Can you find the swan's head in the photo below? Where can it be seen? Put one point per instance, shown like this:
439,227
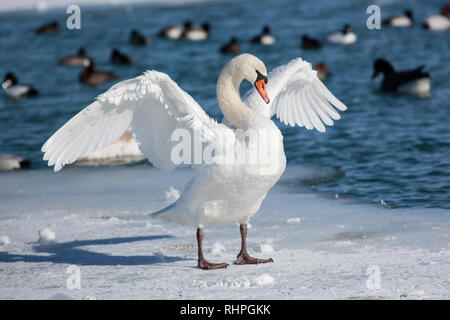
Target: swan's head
250,68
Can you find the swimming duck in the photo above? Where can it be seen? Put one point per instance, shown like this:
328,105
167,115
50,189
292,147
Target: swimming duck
174,32
13,89
322,70
230,186
195,33
231,47
94,77
118,57
48,28
310,43
409,81
404,20
438,22
77,60
345,36
138,39
265,38
13,162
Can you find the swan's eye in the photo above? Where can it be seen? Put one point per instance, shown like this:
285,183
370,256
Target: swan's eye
259,77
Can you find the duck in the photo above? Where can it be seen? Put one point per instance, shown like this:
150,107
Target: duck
77,60
175,31
404,20
90,76
137,39
231,180
265,38
13,89
438,22
413,81
13,162
196,33
231,47
345,36
322,70
48,28
118,57
310,43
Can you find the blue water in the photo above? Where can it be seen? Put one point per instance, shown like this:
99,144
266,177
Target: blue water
391,147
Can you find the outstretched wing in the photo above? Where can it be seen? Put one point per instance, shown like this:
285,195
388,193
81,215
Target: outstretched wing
151,106
298,97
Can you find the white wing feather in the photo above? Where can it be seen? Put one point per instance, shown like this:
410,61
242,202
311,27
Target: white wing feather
152,106
298,97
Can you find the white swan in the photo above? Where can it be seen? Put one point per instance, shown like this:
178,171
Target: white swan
152,106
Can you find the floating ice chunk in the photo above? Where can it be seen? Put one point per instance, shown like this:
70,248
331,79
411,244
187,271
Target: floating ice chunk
172,195
263,279
4,241
295,220
217,248
266,248
47,236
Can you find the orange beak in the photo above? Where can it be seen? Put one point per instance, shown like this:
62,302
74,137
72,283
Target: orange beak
261,87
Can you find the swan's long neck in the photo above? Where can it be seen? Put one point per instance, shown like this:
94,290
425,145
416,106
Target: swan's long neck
229,98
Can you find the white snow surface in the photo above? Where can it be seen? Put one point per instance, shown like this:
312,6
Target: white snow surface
100,217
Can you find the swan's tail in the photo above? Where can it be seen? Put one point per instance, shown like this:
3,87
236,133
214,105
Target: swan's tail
163,212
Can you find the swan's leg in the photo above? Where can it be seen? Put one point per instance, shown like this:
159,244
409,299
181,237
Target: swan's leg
202,263
243,257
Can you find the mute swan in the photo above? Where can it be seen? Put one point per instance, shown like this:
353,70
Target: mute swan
153,107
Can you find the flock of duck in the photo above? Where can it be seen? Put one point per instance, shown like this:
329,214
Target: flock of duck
152,106
414,81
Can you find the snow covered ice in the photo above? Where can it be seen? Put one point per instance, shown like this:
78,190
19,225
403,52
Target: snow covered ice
99,217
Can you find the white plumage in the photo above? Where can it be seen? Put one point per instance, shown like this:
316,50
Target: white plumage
152,106
298,97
